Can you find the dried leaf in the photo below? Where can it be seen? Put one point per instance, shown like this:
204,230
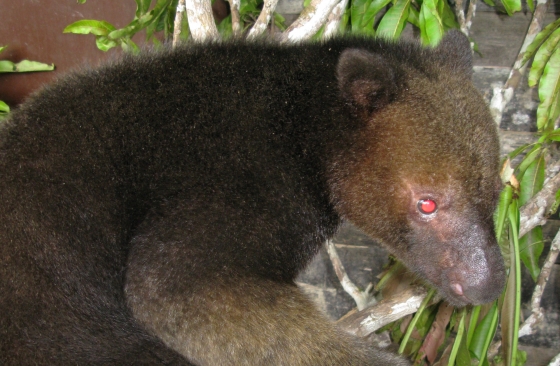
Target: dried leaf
435,337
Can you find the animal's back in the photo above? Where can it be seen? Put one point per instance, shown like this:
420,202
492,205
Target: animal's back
89,157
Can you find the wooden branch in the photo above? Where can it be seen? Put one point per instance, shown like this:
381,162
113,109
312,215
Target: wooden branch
465,22
534,212
201,21
537,314
362,298
555,361
264,18
235,17
503,95
309,22
178,21
460,15
365,322
333,21
470,14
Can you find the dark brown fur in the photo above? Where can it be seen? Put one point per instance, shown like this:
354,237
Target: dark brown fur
157,210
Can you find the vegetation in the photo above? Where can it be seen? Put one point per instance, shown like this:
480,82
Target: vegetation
22,66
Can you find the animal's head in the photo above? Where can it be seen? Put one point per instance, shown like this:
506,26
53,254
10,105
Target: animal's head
423,173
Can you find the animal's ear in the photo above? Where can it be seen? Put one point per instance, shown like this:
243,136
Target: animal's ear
366,80
454,52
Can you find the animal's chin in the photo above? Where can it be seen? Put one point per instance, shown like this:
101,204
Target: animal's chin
456,300
455,290
453,295
458,296
449,295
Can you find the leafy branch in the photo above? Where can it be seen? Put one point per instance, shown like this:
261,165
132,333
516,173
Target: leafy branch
22,66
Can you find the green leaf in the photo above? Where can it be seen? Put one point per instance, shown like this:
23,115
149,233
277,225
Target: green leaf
531,245
448,16
417,316
2,48
512,297
414,17
7,66
225,27
475,312
96,27
24,66
159,10
374,7
542,57
512,6
280,21
519,150
554,110
539,39
531,5
28,66
549,89
129,46
344,21
104,43
521,358
555,205
463,356
476,49
81,1
357,11
166,22
506,197
531,156
489,3
533,178
393,22
395,269
131,28
459,352
4,108
142,22
530,249
484,333
439,6
142,7
249,10
552,135
431,26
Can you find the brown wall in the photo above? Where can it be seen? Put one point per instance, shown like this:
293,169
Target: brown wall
33,30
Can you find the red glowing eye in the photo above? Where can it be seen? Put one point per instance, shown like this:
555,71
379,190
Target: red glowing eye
427,206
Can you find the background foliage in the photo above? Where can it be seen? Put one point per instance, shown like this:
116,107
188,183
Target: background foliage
22,66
